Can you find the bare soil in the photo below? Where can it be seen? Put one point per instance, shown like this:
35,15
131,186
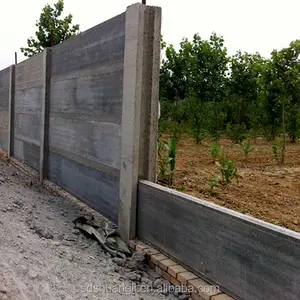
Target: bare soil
42,256
266,190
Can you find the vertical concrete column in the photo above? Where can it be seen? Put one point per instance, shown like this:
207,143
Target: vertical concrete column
131,111
150,94
140,109
44,147
11,111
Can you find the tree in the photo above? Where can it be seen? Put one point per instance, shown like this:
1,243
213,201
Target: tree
51,29
243,99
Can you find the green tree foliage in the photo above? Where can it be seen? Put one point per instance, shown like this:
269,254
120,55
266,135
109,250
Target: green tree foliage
242,95
52,29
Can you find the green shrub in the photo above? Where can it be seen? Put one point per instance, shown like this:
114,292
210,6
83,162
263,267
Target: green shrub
228,170
247,148
213,182
215,151
236,132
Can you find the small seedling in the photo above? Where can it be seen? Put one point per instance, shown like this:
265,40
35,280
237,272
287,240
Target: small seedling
277,148
163,161
172,158
228,170
167,160
215,151
247,148
213,182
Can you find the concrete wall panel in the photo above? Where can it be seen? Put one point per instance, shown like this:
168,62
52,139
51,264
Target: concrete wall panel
98,189
249,258
86,114
27,110
4,96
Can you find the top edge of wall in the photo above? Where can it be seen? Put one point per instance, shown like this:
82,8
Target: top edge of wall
5,69
88,30
255,222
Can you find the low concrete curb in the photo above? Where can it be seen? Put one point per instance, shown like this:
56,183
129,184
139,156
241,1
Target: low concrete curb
177,275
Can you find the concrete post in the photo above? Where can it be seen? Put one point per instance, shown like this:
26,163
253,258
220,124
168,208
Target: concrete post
11,111
150,94
131,110
139,111
44,147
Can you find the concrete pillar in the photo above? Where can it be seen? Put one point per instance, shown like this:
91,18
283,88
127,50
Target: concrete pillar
44,146
11,111
150,94
139,111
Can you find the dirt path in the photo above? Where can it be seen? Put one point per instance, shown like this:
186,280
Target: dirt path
43,257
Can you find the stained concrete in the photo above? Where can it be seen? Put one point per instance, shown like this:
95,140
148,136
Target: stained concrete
249,258
85,114
4,97
27,110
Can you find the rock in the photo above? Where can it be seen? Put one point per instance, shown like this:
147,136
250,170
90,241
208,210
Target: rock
119,261
76,231
138,257
44,233
147,281
152,275
157,283
3,290
133,277
115,269
18,203
32,274
70,256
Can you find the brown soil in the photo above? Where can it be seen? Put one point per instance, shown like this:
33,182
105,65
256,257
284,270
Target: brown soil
266,190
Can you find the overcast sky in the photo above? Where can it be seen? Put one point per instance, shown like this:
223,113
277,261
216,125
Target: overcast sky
249,25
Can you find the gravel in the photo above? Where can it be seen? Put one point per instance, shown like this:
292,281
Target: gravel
42,256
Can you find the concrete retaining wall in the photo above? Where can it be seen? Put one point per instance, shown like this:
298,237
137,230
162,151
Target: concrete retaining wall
4,100
27,110
249,258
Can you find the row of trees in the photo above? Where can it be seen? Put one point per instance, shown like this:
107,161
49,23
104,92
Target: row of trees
207,92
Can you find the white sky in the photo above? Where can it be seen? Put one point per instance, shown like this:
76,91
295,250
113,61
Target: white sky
249,25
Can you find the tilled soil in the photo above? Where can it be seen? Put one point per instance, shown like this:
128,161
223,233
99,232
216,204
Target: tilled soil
43,257
266,189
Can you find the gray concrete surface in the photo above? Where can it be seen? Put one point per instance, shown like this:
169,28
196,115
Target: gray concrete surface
139,111
27,110
4,95
249,258
85,114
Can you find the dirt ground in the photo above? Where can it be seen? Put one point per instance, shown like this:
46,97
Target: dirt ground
42,256
266,190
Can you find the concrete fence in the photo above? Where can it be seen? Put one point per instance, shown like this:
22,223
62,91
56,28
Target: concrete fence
84,113
250,259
